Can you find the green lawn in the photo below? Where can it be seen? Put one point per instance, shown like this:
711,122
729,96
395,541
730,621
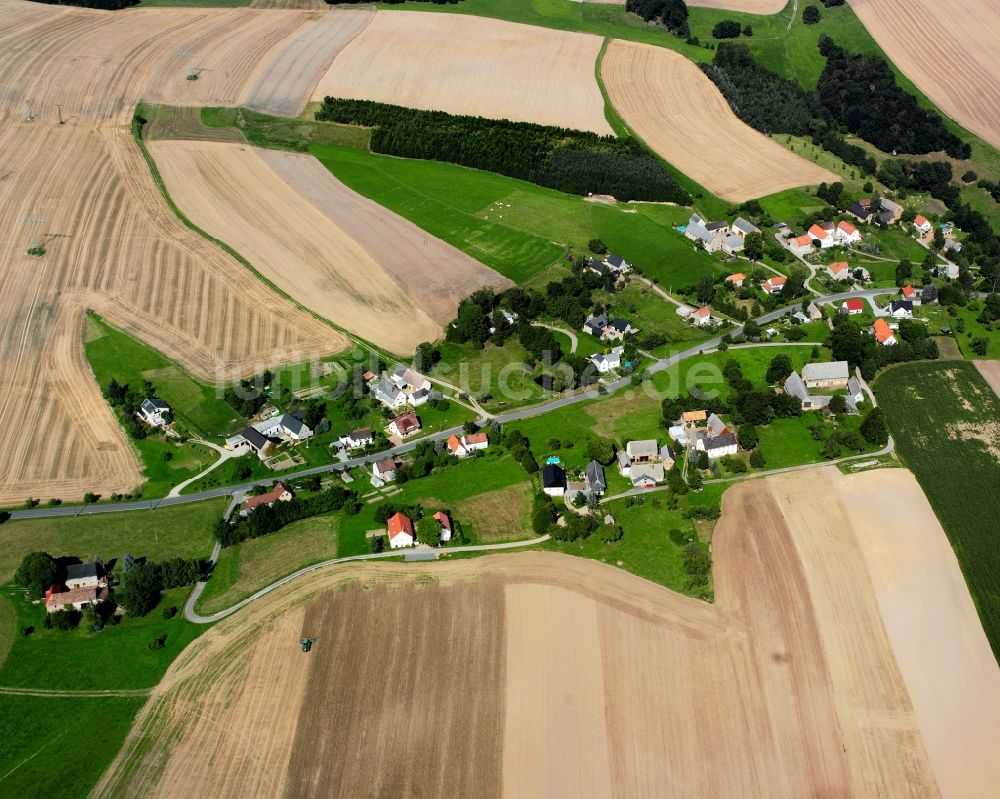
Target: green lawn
464,483
646,548
253,564
965,327
634,413
59,746
117,657
943,417
281,133
647,310
515,227
174,530
500,372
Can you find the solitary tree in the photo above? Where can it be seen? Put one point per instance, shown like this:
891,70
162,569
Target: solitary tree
753,246
779,368
874,430
38,570
810,15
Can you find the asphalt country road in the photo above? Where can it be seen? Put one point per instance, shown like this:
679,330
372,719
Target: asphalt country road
530,412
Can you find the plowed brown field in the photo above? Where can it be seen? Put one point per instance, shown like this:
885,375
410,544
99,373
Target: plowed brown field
569,678
948,49
112,243
679,112
472,65
345,257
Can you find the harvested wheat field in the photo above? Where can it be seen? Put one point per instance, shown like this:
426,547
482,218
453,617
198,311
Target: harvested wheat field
286,85
946,661
112,243
948,49
539,674
679,112
990,370
347,258
472,65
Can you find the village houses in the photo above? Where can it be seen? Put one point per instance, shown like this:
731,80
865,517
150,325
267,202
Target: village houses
358,439
264,437
467,444
406,425
400,387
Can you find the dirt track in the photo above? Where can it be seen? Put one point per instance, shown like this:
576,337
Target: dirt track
788,686
948,49
345,257
472,65
679,112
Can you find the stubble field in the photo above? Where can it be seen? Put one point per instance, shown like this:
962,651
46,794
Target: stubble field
472,65
112,244
569,678
949,50
679,112
343,256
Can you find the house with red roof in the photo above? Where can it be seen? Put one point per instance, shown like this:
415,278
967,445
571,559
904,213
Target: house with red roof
822,235
773,284
801,245
846,233
923,224
703,316
839,270
444,520
736,280
853,307
279,493
58,597
908,292
883,333
400,527
405,425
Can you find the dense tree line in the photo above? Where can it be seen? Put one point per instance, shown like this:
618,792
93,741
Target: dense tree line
672,14
104,5
930,176
574,161
264,520
860,92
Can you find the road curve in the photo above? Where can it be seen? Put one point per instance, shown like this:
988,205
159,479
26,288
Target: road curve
193,616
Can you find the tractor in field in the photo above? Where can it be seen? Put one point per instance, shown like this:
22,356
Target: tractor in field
306,643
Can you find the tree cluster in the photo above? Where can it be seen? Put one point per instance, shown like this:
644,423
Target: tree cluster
850,344
251,397
127,400
574,161
264,520
672,14
860,92
726,29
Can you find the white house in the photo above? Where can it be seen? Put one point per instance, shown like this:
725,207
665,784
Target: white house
402,387
743,228
773,284
605,362
154,411
901,309
702,317
823,235
84,575
400,531
445,524
617,265
286,427
839,270
883,333
384,470
736,280
923,224
466,445
846,233
854,391
358,439
605,329
710,234
715,439
646,475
